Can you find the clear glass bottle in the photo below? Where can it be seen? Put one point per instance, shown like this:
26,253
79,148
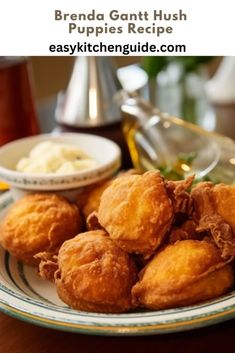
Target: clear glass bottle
175,147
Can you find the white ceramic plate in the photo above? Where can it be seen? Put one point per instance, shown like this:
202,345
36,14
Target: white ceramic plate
25,296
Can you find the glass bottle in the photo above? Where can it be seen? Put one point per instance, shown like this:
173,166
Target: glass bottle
175,147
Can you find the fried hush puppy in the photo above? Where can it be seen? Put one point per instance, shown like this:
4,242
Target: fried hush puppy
188,272
214,211
94,274
38,222
187,230
178,192
48,264
89,199
136,212
212,199
224,202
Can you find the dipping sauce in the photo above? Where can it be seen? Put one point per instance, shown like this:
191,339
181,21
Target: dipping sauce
50,157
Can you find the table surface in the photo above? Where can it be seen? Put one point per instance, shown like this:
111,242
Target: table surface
20,337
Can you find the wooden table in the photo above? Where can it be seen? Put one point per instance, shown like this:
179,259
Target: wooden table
20,337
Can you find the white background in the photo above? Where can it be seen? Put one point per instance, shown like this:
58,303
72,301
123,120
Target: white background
27,27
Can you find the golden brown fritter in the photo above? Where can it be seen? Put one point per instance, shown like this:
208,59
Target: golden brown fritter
178,191
92,222
48,264
187,230
136,212
214,213
89,199
38,222
224,201
188,272
202,200
94,274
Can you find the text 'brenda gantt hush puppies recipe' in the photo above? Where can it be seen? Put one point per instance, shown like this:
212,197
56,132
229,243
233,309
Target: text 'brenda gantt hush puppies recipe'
137,24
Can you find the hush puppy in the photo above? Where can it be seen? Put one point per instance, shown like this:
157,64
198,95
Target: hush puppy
136,212
188,272
38,222
224,201
89,200
94,274
214,211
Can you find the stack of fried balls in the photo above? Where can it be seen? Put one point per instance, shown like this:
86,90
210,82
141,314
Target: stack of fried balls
136,241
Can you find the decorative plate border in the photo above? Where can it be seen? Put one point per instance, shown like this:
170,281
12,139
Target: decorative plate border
20,305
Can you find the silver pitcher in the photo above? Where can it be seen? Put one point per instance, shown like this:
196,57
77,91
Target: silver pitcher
89,97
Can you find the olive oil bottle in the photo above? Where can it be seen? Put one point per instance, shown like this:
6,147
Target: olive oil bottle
176,148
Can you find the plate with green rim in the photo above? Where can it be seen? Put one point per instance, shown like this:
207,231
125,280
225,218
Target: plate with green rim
24,295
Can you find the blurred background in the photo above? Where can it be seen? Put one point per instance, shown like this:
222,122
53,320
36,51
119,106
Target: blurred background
114,97
197,89
51,74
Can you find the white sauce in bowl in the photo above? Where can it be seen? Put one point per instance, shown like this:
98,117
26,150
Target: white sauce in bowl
59,158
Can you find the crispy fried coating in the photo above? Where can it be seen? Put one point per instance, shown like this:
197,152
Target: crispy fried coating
188,272
94,274
136,212
178,192
224,201
221,233
186,231
89,199
214,212
92,222
38,222
203,200
48,264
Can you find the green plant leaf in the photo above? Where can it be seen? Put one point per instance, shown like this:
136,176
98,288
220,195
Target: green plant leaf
154,64
191,63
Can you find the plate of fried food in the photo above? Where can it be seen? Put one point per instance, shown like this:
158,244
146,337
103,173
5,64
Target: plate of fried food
134,254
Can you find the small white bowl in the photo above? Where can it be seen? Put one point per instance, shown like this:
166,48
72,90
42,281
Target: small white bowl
104,151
